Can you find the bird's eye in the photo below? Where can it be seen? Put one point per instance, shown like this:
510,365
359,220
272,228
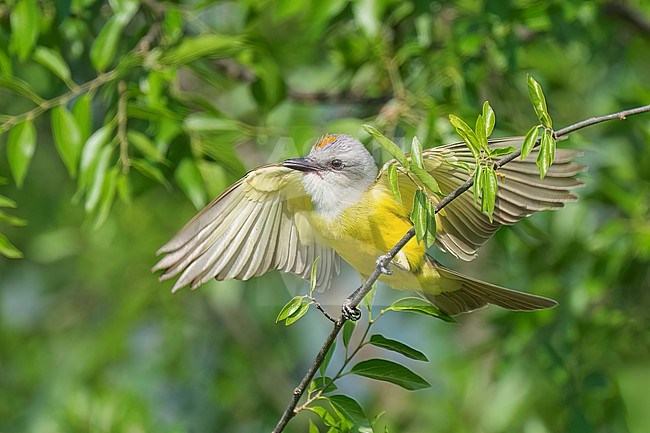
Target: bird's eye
336,164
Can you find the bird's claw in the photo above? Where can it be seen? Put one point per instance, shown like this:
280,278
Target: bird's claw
350,312
382,263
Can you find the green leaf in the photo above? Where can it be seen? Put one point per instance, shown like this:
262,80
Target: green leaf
53,61
463,165
393,179
6,65
348,329
289,308
104,48
107,197
529,141
498,152
12,220
478,182
7,249
397,346
431,223
21,145
466,133
313,276
67,138
96,186
124,189
323,414
388,145
348,409
368,16
150,171
25,26
489,192
416,153
388,371
301,311
419,215
480,132
20,87
208,45
427,180
140,110
546,153
312,427
173,24
189,178
490,118
125,8
83,112
326,384
7,202
419,306
552,146
539,102
90,154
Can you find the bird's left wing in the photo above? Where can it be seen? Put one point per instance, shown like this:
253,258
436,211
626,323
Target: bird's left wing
461,227
258,224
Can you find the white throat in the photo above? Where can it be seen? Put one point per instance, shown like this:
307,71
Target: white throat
330,195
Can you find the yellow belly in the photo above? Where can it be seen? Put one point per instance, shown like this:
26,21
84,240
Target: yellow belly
370,228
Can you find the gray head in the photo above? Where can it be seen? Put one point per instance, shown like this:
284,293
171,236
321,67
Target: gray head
337,171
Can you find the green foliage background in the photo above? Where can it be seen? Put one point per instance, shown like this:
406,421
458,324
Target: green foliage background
142,110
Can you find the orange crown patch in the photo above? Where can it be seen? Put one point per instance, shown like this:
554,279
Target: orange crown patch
327,139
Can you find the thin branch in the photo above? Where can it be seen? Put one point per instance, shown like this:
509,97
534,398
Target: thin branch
385,260
304,383
309,401
64,99
319,307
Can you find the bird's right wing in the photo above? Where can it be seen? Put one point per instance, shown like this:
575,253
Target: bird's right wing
258,224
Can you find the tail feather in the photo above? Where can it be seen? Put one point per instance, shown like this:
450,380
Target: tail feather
474,294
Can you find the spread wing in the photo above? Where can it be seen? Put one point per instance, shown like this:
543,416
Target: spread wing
461,226
260,223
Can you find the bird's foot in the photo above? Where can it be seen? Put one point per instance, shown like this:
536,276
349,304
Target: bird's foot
350,312
382,263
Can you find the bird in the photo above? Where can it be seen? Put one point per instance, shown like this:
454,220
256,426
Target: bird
336,204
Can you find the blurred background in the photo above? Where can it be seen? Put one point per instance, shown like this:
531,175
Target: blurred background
182,98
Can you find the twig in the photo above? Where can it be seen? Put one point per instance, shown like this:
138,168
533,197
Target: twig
309,401
140,51
290,411
319,307
91,85
304,383
144,45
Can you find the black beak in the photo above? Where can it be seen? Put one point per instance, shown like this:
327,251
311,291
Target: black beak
301,164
